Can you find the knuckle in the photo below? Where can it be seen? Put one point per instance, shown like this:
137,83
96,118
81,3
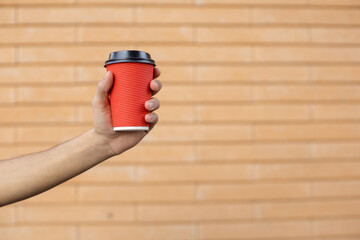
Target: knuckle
153,99
157,102
155,117
159,84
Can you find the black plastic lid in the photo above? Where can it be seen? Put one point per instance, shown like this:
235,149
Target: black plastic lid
129,56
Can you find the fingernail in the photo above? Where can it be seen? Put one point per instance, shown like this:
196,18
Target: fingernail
151,105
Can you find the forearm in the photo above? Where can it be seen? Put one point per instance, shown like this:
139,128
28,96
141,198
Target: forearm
32,174
26,176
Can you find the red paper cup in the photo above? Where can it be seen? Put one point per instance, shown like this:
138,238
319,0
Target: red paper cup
133,72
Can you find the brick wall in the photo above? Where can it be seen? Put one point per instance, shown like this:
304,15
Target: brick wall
259,135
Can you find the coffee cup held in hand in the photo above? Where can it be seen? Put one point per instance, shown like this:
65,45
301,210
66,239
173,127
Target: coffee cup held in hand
132,71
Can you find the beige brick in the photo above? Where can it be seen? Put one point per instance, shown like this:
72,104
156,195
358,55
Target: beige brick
76,213
68,54
255,230
253,35
38,74
337,189
11,151
252,2
241,152
135,232
90,73
37,232
53,134
139,1
135,34
110,174
251,73
334,16
307,54
136,193
159,153
57,94
337,227
336,150
202,132
180,73
194,212
309,170
204,93
34,114
335,73
306,93
335,35
279,15
76,15
29,2
7,135
60,194
216,113
337,208
347,238
334,2
303,15
169,54
197,53
7,15
252,191
176,113
336,111
7,95
192,15
37,35
191,173
85,114
307,132
7,55
7,215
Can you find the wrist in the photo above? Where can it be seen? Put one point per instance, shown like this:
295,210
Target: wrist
101,144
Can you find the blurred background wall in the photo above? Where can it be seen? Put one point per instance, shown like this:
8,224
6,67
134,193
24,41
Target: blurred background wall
259,136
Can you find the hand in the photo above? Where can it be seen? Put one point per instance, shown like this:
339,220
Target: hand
120,141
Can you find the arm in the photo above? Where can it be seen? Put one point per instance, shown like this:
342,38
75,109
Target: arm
29,175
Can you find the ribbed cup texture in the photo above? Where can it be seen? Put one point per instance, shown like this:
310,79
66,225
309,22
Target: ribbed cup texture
130,91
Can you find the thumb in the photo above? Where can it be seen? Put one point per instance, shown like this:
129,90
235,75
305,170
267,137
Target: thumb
105,85
102,90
